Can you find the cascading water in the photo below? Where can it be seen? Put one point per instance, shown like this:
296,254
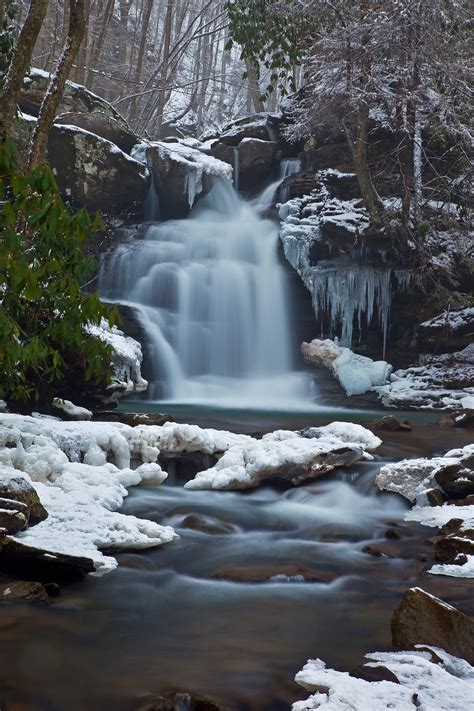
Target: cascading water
265,201
213,297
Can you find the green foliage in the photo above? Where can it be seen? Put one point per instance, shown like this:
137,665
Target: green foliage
270,34
44,313
7,37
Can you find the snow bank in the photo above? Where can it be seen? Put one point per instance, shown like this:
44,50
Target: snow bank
126,360
356,374
437,680
196,163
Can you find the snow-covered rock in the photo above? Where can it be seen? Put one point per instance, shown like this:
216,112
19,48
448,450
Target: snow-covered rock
437,680
73,411
181,174
442,382
127,358
91,171
78,107
291,455
413,478
357,374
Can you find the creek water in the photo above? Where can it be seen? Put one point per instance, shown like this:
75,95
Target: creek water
277,575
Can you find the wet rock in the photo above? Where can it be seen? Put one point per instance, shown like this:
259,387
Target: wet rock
133,418
449,330
249,127
256,161
389,423
204,525
448,548
272,572
392,534
91,171
12,521
380,550
179,701
435,497
19,489
79,107
421,618
28,562
456,480
380,673
23,590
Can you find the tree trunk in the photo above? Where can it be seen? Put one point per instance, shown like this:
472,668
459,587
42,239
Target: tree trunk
141,55
254,87
98,44
55,90
162,96
361,165
20,64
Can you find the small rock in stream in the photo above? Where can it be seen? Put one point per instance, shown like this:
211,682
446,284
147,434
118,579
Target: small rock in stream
23,591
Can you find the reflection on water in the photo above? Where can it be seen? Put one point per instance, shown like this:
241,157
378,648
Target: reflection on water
181,617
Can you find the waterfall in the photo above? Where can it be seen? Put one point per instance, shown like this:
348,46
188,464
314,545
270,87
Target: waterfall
213,298
152,205
236,168
265,201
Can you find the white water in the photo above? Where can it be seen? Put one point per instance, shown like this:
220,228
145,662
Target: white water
213,298
265,201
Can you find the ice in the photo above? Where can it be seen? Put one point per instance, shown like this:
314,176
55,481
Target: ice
357,374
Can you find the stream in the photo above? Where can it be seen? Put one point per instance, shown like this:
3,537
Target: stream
278,576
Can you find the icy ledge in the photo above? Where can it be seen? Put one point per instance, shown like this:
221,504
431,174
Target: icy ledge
81,471
429,679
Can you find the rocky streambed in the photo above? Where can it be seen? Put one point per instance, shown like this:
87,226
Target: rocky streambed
258,581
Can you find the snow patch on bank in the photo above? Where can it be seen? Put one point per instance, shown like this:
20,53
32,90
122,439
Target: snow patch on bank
444,686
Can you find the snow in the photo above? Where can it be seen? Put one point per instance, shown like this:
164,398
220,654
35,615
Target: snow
292,455
68,407
444,686
423,386
126,359
196,162
412,478
452,320
357,374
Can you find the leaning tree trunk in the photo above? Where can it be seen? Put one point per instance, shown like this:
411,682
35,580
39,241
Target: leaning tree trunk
20,64
55,90
361,164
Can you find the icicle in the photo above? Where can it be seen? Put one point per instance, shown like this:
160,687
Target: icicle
236,168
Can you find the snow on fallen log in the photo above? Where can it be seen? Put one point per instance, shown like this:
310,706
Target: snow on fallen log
436,679
357,374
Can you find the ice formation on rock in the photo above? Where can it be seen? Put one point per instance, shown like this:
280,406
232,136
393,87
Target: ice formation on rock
357,374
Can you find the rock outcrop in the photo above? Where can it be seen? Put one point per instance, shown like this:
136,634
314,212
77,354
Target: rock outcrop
90,171
79,107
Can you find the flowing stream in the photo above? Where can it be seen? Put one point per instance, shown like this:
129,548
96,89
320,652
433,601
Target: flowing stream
215,301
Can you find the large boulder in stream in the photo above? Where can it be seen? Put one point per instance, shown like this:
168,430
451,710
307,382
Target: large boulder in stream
78,107
421,618
91,172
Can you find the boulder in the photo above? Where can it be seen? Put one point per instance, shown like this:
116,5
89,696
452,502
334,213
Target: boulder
277,572
22,494
450,330
421,618
456,481
26,561
91,172
249,127
12,521
204,524
453,548
23,591
256,162
389,423
79,107
179,701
